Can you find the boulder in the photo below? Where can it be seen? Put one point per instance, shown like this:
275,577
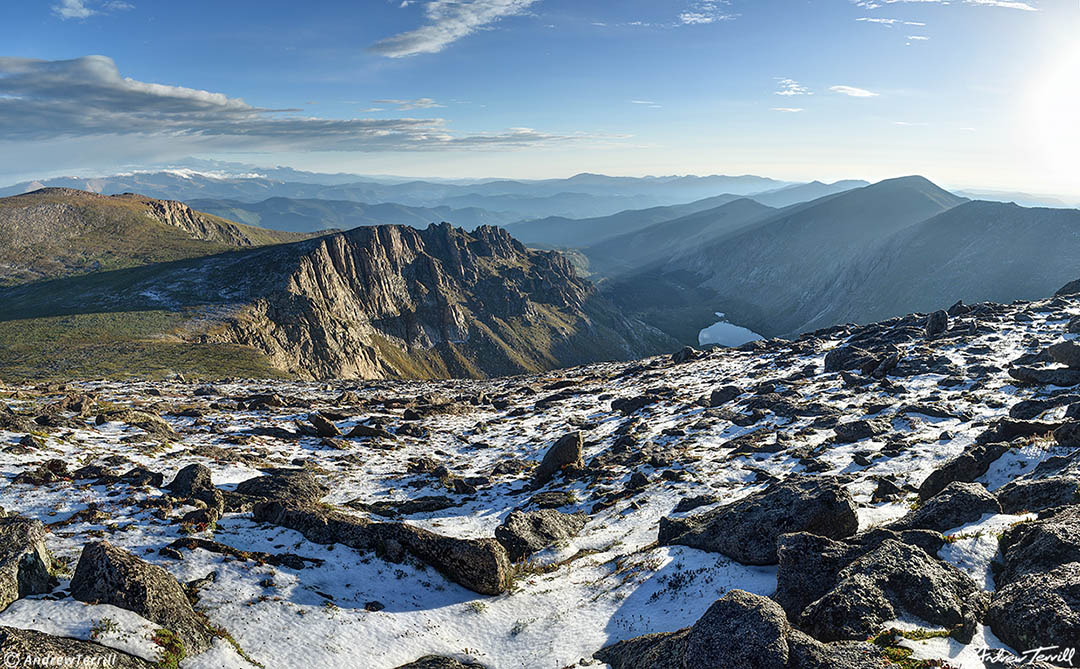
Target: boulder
847,358
1068,435
1046,376
809,564
1024,495
937,323
1071,288
1067,353
481,565
629,405
191,480
966,467
563,453
293,485
739,631
861,429
19,646
106,574
957,504
1039,546
723,395
323,427
1039,611
25,563
526,532
684,354
747,530
894,581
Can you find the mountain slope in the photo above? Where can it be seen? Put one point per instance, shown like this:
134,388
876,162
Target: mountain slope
562,232
313,215
636,250
789,195
978,251
374,302
57,232
777,274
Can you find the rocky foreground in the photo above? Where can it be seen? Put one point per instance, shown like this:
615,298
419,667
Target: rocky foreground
903,493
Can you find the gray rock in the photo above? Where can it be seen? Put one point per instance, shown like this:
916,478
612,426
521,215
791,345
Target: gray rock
1023,495
861,429
25,563
747,530
936,323
1039,546
526,532
294,485
847,358
1066,353
191,480
966,467
722,396
564,452
810,564
323,428
1041,610
19,645
958,504
893,581
684,354
1068,435
1046,376
739,631
110,575
481,565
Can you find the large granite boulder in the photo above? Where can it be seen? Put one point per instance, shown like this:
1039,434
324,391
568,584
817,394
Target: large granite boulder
25,563
526,532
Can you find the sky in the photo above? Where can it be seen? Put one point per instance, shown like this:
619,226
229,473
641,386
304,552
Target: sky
973,93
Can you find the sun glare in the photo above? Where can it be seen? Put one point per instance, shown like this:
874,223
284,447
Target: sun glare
1054,114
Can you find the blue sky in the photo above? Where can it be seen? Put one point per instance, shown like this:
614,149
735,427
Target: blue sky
967,92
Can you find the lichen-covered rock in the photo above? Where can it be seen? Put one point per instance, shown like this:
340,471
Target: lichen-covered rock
481,565
563,453
293,485
957,504
747,530
860,429
20,648
440,662
525,532
966,467
110,575
25,562
1033,495
1039,546
1040,610
890,582
739,631
191,480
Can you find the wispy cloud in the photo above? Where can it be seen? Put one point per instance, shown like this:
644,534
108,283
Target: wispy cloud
79,9
790,87
853,91
910,124
407,105
87,97
705,11
1028,6
890,22
918,38
788,110
447,21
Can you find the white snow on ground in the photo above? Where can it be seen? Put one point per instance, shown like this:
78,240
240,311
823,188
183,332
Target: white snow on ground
611,582
107,625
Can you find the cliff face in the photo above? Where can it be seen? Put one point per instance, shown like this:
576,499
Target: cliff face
394,301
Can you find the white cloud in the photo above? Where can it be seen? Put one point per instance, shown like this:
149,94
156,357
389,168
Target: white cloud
406,105
790,87
447,22
87,97
910,124
788,110
77,9
1027,6
704,12
853,92
890,22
